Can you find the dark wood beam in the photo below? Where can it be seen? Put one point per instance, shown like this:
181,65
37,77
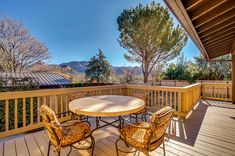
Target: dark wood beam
218,39
219,34
233,48
206,7
217,24
225,7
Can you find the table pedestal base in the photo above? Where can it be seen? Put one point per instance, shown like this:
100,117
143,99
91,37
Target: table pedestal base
98,119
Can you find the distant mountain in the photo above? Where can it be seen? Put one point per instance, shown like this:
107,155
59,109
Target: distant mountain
80,67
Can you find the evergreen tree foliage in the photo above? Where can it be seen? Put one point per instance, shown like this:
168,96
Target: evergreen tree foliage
98,69
200,69
149,36
216,70
180,71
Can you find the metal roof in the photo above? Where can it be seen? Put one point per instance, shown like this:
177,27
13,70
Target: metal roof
210,23
43,78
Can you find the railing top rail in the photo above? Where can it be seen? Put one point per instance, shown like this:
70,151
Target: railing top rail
217,84
165,88
48,92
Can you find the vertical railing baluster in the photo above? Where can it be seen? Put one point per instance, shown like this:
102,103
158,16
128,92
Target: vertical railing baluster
56,104
170,99
31,110
67,104
61,105
179,104
24,112
7,114
15,113
38,105
50,102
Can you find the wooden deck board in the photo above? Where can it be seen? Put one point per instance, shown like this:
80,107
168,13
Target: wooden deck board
32,145
21,147
210,130
1,148
9,148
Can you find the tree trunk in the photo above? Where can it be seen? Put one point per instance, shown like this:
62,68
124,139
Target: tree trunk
146,75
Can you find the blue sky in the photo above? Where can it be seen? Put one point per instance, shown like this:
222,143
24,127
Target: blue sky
74,30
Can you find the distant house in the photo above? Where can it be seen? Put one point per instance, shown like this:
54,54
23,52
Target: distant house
42,79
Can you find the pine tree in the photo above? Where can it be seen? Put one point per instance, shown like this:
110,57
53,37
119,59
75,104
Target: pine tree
98,69
149,36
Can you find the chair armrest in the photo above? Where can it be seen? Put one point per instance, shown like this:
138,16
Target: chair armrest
125,122
149,113
71,122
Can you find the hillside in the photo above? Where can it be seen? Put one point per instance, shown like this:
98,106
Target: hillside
80,67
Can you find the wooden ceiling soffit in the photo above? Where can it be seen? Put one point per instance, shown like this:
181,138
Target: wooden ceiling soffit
214,34
228,48
216,30
221,38
191,4
218,53
228,44
216,12
218,21
180,13
220,34
219,43
208,5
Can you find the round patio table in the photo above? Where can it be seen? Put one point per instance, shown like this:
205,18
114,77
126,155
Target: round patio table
106,106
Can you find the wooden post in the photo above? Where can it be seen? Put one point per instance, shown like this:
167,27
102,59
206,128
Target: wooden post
233,78
233,72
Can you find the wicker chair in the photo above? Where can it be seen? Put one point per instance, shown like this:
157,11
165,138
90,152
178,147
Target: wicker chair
74,96
66,134
142,112
146,137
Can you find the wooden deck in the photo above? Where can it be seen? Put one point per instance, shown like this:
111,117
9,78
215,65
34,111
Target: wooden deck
209,130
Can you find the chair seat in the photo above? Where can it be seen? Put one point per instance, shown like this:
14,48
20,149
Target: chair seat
138,137
74,133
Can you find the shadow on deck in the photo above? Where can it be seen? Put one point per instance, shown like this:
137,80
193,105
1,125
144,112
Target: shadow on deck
209,130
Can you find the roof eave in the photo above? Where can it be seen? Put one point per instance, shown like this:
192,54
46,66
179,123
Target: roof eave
177,8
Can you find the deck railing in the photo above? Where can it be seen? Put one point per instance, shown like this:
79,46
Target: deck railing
175,83
18,110
182,99
217,91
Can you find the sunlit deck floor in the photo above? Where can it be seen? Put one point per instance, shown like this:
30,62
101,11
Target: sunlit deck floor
210,130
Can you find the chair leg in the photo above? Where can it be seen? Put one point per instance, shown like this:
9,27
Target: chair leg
97,122
48,150
93,145
116,145
136,118
70,151
58,152
164,152
130,117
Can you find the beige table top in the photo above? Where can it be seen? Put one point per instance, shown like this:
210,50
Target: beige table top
106,105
